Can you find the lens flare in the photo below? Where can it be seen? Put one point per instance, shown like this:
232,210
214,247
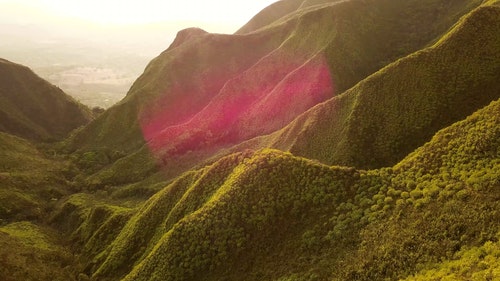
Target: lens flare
258,101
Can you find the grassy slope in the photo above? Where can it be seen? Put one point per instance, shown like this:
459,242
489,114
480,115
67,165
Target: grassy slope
474,263
30,107
90,223
117,132
383,118
270,215
337,32
448,200
326,31
161,212
33,178
279,217
270,14
278,11
29,180
31,184
32,253
176,72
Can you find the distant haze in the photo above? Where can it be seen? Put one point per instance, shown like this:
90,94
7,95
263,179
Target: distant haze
214,16
95,49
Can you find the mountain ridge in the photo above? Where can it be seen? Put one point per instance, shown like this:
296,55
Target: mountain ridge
442,58
33,108
357,140
180,121
268,198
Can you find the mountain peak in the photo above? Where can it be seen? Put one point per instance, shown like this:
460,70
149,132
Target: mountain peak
186,35
4,61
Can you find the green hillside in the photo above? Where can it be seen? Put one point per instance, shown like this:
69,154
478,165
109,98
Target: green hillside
325,140
207,91
29,180
31,185
386,116
33,177
30,252
273,216
279,10
32,108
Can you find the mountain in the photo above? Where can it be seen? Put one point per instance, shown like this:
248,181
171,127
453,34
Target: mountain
32,176
32,108
380,120
325,140
31,183
270,215
207,91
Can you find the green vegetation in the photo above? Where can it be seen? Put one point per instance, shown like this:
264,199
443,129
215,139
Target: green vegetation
30,252
386,116
277,216
17,153
253,67
32,108
182,197
397,177
91,223
30,181
476,263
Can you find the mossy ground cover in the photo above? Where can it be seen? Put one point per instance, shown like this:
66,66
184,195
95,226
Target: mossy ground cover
280,217
161,101
269,214
471,263
35,187
31,179
31,252
397,109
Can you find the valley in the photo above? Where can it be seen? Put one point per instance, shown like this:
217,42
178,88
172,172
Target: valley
324,140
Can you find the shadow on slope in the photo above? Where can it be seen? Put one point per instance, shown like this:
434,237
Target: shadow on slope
274,216
208,92
386,116
32,108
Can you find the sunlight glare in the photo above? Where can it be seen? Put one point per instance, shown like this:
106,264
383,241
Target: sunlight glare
151,11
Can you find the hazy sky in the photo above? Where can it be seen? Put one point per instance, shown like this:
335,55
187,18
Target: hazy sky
59,38
213,15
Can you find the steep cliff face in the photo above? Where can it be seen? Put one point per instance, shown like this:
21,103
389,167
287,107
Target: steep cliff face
32,108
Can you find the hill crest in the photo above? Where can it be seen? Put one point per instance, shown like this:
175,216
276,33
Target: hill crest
33,108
